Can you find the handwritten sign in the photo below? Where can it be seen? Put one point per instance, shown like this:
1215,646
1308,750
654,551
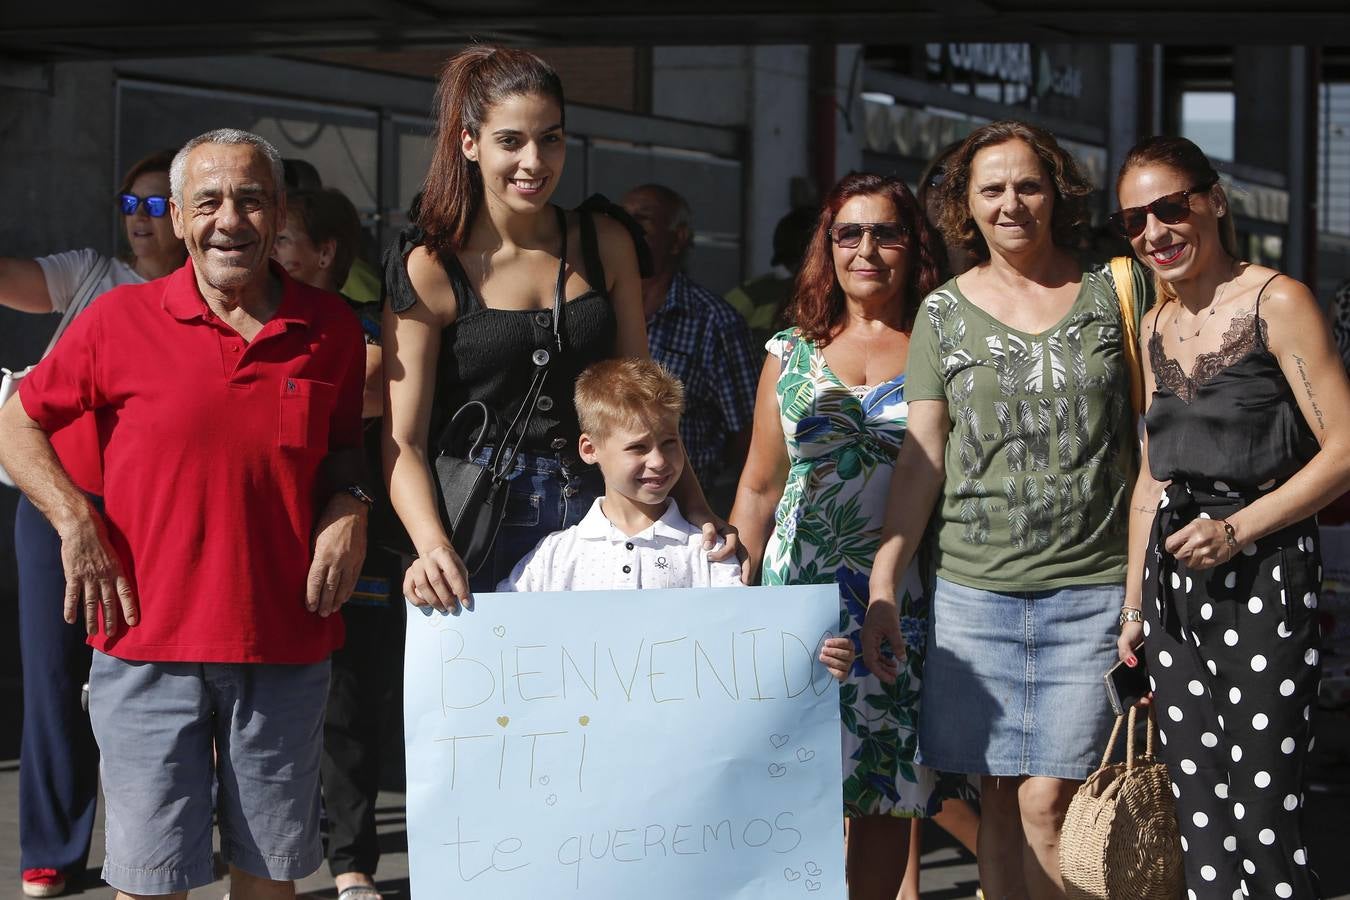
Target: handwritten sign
655,744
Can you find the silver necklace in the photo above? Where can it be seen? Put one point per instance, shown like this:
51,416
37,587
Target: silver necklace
1204,319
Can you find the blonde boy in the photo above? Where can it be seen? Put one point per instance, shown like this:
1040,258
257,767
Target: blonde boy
634,536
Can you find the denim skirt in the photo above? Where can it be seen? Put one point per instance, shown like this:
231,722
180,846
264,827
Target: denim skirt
547,492
1013,681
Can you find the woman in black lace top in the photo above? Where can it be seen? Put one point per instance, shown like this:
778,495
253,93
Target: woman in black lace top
470,315
1248,435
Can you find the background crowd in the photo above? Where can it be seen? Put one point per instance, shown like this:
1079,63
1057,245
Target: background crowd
937,411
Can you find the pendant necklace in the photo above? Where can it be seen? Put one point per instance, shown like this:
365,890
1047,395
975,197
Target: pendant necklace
1204,319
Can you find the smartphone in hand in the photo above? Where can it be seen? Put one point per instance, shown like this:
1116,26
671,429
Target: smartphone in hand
1126,686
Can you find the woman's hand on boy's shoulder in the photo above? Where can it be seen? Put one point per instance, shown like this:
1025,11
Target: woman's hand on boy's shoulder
721,540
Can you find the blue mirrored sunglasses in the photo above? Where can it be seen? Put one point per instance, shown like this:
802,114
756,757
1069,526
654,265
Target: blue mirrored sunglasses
155,205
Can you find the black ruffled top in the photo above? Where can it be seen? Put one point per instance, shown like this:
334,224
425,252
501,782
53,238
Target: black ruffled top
487,354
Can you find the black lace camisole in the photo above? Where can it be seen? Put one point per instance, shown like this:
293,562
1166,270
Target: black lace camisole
1233,419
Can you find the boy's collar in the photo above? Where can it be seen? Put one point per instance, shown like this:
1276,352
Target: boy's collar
595,526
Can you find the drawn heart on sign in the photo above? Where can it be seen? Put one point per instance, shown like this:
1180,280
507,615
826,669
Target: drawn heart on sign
804,755
812,869
791,874
584,720
552,799
543,779
778,740
777,771
812,886
503,720
499,630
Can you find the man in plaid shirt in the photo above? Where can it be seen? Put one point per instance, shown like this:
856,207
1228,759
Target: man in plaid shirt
698,337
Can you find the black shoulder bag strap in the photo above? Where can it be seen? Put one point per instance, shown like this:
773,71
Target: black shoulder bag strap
590,252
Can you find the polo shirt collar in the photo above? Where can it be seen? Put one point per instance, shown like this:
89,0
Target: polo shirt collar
594,526
183,299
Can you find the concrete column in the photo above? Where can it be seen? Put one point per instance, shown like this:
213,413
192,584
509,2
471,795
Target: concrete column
780,141
1261,82
764,90
1300,252
848,133
1123,100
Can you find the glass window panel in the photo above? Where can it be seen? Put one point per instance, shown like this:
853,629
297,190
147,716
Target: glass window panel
1207,119
341,143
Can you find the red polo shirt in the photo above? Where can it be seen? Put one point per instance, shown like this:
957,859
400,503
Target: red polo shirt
212,448
76,445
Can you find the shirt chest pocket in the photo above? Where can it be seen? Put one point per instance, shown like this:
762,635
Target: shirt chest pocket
306,407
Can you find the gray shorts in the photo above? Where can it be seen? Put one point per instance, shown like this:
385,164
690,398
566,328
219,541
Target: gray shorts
157,725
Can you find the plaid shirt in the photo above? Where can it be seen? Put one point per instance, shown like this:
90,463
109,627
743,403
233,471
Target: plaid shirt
704,342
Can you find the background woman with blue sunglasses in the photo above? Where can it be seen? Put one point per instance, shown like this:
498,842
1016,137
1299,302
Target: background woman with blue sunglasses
48,284
58,768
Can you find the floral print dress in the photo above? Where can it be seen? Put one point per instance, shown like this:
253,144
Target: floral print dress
841,445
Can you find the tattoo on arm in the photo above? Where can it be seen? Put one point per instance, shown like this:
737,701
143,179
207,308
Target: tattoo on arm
1147,510
1307,389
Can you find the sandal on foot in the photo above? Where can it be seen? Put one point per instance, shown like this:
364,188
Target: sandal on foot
360,892
44,883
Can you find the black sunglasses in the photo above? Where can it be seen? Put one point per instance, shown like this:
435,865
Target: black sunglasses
1171,209
155,204
885,234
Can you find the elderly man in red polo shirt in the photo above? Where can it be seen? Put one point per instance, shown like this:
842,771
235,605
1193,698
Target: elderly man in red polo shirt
228,402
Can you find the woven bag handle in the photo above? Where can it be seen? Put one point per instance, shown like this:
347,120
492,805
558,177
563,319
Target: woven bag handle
1151,731
1129,740
1111,742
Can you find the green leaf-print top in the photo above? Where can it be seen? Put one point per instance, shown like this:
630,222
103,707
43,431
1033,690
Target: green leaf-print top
841,445
1042,450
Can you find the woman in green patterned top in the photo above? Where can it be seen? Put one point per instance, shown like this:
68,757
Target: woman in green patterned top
1021,449
829,418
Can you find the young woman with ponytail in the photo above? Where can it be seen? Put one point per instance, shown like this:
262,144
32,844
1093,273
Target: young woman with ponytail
470,293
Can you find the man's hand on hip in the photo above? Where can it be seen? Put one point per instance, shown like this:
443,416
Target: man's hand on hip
94,578
339,551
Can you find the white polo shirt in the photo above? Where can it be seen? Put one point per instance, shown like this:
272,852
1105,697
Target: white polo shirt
593,555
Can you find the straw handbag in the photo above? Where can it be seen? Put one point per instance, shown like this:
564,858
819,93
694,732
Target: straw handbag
1119,840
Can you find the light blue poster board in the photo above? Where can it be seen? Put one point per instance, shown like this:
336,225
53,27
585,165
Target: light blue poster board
664,745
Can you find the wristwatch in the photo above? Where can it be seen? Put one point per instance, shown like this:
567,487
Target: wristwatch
1130,614
360,494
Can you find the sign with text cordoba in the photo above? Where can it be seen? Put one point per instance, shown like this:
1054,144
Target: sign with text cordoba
615,744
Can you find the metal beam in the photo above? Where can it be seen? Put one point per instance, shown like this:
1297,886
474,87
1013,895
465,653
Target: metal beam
70,33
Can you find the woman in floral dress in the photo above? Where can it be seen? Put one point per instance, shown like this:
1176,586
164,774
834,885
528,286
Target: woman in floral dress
829,418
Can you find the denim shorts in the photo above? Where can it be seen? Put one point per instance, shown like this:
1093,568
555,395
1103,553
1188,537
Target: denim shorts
157,725
1012,683
546,493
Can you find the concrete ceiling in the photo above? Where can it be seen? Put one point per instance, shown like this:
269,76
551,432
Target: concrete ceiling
99,29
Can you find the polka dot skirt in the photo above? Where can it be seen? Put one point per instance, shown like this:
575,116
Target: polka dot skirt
1233,662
